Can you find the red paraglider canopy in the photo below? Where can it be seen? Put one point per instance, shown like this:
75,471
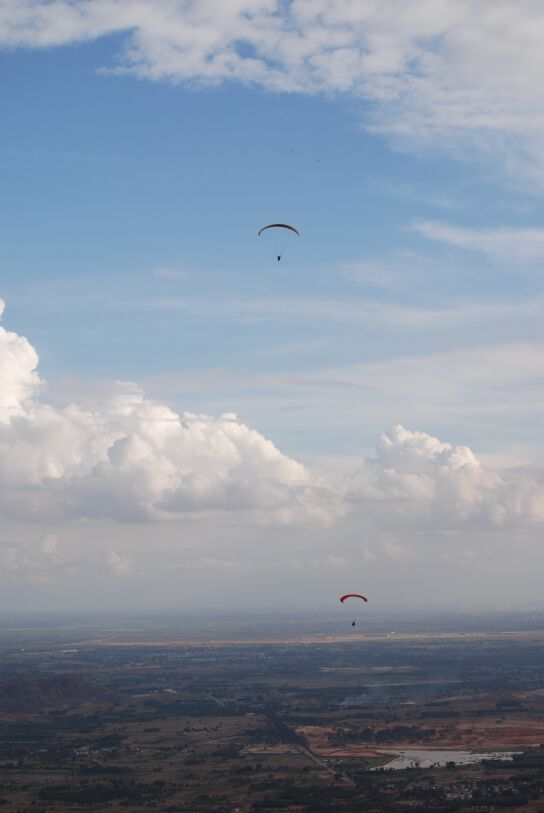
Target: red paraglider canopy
352,595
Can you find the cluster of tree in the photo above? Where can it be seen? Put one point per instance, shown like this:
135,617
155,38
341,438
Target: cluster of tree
380,736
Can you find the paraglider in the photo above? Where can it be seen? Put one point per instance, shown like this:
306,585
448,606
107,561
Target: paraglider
279,226
343,599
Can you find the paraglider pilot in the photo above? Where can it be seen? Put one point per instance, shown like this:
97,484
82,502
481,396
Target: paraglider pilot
279,226
353,595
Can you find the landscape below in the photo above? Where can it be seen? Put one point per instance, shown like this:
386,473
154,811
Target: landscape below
270,714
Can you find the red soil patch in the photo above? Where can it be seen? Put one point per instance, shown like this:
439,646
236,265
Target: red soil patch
502,735
318,742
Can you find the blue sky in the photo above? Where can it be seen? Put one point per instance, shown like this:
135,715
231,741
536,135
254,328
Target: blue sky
109,180
133,185
123,197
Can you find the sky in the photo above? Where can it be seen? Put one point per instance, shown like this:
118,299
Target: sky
187,423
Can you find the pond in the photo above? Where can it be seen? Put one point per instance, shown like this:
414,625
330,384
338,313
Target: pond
415,757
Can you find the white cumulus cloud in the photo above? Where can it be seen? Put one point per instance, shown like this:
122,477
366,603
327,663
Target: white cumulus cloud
419,480
133,459
18,361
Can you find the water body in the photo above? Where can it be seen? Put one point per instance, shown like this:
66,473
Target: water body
416,758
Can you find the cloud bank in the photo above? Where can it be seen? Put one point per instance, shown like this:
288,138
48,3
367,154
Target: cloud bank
431,68
132,459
